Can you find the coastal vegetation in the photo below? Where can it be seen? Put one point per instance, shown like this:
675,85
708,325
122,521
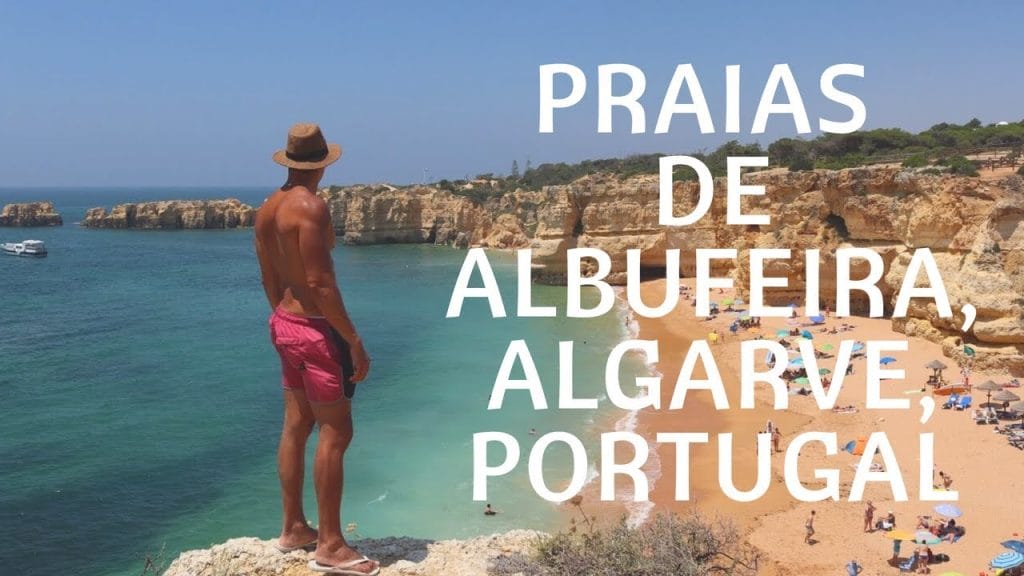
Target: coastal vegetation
941,148
669,544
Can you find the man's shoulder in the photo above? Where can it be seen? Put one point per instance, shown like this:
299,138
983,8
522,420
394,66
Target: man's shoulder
302,203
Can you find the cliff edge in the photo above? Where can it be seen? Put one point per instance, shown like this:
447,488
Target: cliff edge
398,556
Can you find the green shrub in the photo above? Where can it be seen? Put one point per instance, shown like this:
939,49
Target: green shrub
961,166
801,163
916,161
667,545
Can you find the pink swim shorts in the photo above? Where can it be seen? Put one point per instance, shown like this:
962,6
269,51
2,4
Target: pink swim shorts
313,356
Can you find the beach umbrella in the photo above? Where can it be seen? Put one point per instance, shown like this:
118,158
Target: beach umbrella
792,321
990,387
782,333
827,347
948,510
802,381
935,365
797,361
1005,396
817,319
1015,545
807,334
745,317
857,347
738,301
887,360
1018,407
824,371
899,535
727,302
926,537
1007,560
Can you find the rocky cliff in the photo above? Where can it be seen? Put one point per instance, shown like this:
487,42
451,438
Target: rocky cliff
173,214
974,227
384,215
30,214
398,556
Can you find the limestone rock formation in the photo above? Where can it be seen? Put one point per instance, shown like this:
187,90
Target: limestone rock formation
173,214
387,215
974,228
30,214
398,556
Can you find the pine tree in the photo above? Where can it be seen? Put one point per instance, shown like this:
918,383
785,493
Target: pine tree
515,170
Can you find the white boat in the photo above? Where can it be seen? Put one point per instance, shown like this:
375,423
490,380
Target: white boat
24,248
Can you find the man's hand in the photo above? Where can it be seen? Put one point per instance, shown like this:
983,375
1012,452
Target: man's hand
360,361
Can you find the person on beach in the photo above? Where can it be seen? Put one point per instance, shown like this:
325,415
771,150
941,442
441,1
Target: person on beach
889,522
488,511
922,561
896,545
322,355
853,568
869,516
809,526
776,438
947,480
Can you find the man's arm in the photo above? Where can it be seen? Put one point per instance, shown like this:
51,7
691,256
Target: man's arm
315,251
271,281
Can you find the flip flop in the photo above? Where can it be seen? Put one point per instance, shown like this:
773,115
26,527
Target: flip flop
286,549
343,569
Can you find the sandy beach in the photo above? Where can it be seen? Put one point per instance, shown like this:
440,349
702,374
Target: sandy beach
986,470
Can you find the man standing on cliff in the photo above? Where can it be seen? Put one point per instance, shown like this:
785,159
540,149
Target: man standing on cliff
322,356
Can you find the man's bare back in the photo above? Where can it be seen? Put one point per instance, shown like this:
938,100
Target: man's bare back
278,223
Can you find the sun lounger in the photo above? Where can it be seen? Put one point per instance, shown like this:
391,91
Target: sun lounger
953,399
986,416
964,403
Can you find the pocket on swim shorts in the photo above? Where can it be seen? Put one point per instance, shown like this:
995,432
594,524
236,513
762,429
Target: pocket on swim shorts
310,347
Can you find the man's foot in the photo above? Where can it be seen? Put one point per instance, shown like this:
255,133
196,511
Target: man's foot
299,537
345,560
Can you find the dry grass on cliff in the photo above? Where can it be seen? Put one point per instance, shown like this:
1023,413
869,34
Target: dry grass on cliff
668,545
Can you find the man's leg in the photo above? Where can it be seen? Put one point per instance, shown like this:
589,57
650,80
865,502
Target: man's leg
328,474
291,461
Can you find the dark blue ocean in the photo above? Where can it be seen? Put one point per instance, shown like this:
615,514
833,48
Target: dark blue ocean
141,404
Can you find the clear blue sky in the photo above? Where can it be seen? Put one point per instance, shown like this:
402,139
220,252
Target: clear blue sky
189,93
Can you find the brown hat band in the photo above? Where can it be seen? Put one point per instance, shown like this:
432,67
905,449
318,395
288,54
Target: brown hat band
315,156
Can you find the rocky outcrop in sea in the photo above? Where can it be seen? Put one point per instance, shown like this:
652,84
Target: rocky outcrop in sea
173,214
30,214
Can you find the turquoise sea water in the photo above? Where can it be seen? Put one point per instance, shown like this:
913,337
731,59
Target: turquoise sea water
141,405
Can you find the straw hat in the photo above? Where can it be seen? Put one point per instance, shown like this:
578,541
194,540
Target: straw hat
307,149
